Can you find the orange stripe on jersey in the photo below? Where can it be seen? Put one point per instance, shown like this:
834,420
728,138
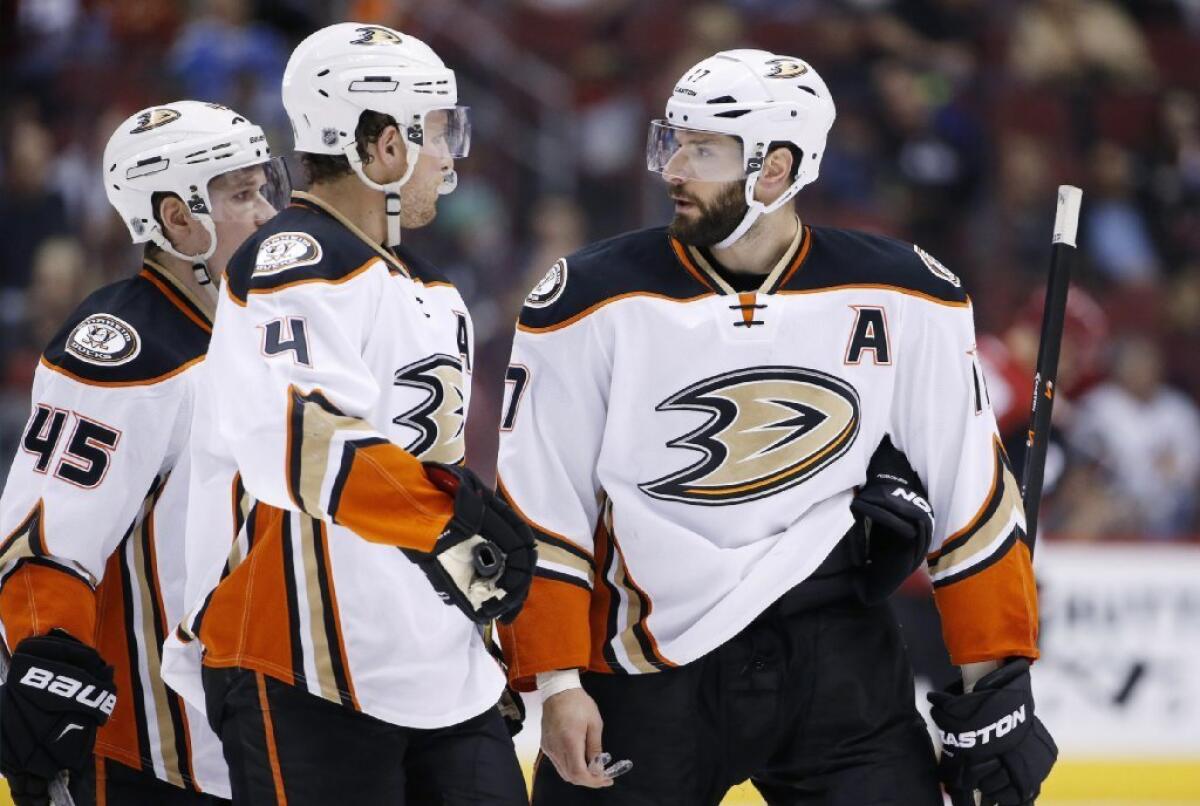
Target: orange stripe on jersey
247,621
878,287
345,278
601,604
991,615
144,382
685,260
383,495
174,298
593,308
801,256
101,782
118,738
39,597
550,632
333,613
746,303
272,750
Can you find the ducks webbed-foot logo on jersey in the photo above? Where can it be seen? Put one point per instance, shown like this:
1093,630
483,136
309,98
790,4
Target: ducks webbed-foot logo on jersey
769,429
441,417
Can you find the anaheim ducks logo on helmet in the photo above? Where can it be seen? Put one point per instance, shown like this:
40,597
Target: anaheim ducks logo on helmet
769,429
376,35
785,67
153,118
440,418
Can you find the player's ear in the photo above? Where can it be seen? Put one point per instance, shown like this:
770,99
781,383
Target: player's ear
777,167
175,217
776,175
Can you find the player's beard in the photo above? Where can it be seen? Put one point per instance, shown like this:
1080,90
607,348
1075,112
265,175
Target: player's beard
716,219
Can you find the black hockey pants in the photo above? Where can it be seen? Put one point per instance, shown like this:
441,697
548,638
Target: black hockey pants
286,745
814,707
110,783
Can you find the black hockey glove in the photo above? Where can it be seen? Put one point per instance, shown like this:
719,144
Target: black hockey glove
57,694
992,740
483,562
893,524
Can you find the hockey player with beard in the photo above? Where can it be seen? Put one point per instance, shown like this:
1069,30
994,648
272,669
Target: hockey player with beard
695,416
346,560
93,514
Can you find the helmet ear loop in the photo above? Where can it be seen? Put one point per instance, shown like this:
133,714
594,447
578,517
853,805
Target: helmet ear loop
391,189
199,262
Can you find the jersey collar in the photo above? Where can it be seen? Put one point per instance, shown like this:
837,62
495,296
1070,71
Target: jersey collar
198,310
701,264
394,264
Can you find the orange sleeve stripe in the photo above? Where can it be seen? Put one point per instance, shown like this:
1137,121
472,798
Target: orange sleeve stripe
383,495
550,633
993,614
37,598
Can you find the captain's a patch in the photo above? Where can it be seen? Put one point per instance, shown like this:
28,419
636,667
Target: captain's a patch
550,287
935,266
286,250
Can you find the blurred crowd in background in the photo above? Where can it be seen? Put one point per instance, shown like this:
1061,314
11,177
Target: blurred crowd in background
957,119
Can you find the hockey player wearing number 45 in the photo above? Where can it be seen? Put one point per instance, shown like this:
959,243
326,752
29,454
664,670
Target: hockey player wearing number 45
93,514
347,560
690,412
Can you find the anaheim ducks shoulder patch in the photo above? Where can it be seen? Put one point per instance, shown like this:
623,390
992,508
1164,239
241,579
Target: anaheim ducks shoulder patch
286,250
550,287
768,429
935,266
104,340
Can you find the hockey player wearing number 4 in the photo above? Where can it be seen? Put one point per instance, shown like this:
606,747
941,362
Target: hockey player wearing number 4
702,428
346,559
93,513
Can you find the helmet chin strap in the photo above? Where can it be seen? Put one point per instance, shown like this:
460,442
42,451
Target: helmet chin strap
755,208
391,190
199,262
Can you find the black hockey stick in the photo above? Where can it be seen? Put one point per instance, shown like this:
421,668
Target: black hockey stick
1062,257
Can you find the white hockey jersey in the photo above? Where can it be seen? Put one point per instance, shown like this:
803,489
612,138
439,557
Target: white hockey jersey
335,369
93,511
687,453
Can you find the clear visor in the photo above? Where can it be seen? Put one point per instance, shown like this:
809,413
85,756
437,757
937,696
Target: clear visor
253,194
693,154
447,132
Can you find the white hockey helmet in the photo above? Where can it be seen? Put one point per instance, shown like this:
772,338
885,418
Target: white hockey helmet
343,70
179,148
758,97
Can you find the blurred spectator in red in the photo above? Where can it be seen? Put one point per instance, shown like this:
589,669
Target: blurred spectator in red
1070,41
1144,437
1008,361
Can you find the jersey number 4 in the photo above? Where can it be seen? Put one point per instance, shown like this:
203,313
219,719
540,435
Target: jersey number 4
85,461
287,335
